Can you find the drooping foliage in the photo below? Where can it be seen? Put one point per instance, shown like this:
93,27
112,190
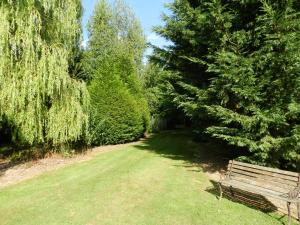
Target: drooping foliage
39,101
238,66
119,111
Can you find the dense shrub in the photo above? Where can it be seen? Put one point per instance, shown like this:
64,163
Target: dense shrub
119,112
116,115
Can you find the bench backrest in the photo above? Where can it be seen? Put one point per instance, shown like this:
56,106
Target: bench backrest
270,178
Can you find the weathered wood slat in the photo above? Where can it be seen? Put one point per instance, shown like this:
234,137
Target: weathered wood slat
270,186
251,188
264,172
263,181
259,190
259,183
266,169
264,178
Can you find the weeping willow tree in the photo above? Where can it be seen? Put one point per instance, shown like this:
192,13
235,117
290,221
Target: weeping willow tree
38,97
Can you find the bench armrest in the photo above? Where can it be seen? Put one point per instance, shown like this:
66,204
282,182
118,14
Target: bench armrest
294,193
224,175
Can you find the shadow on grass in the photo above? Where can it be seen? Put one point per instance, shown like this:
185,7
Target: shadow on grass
179,145
205,157
251,200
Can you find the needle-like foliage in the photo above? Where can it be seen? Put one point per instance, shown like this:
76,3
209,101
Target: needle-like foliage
119,111
239,73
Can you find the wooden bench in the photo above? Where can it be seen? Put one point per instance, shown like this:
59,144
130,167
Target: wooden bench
264,181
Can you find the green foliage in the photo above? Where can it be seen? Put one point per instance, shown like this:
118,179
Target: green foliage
193,29
255,90
38,98
159,93
119,112
238,66
116,115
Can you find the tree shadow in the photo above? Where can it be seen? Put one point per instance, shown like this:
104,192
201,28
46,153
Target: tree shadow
208,157
251,200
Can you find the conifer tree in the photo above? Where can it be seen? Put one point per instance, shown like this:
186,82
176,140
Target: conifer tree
196,28
119,111
237,73
258,90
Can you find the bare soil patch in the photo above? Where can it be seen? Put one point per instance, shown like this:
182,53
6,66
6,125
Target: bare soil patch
10,175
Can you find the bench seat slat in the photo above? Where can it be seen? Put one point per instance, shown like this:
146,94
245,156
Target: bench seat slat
259,183
258,190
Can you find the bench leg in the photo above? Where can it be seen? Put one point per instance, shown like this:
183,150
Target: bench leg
298,209
231,192
289,212
221,191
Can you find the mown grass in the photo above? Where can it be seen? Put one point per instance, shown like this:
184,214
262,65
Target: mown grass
150,183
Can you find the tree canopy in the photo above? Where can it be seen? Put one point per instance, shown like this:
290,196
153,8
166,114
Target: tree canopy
237,70
39,100
119,111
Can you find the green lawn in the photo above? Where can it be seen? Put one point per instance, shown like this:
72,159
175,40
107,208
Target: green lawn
150,183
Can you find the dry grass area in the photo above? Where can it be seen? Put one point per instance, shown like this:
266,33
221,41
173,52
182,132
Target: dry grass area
158,180
13,174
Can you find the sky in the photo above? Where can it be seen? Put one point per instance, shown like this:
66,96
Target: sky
147,11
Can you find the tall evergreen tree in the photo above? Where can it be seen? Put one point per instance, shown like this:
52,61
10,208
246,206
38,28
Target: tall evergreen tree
256,93
119,111
196,28
38,98
238,73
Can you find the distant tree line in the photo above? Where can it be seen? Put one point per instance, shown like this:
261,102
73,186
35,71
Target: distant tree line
233,70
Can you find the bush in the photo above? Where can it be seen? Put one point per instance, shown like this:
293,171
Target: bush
117,116
119,112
